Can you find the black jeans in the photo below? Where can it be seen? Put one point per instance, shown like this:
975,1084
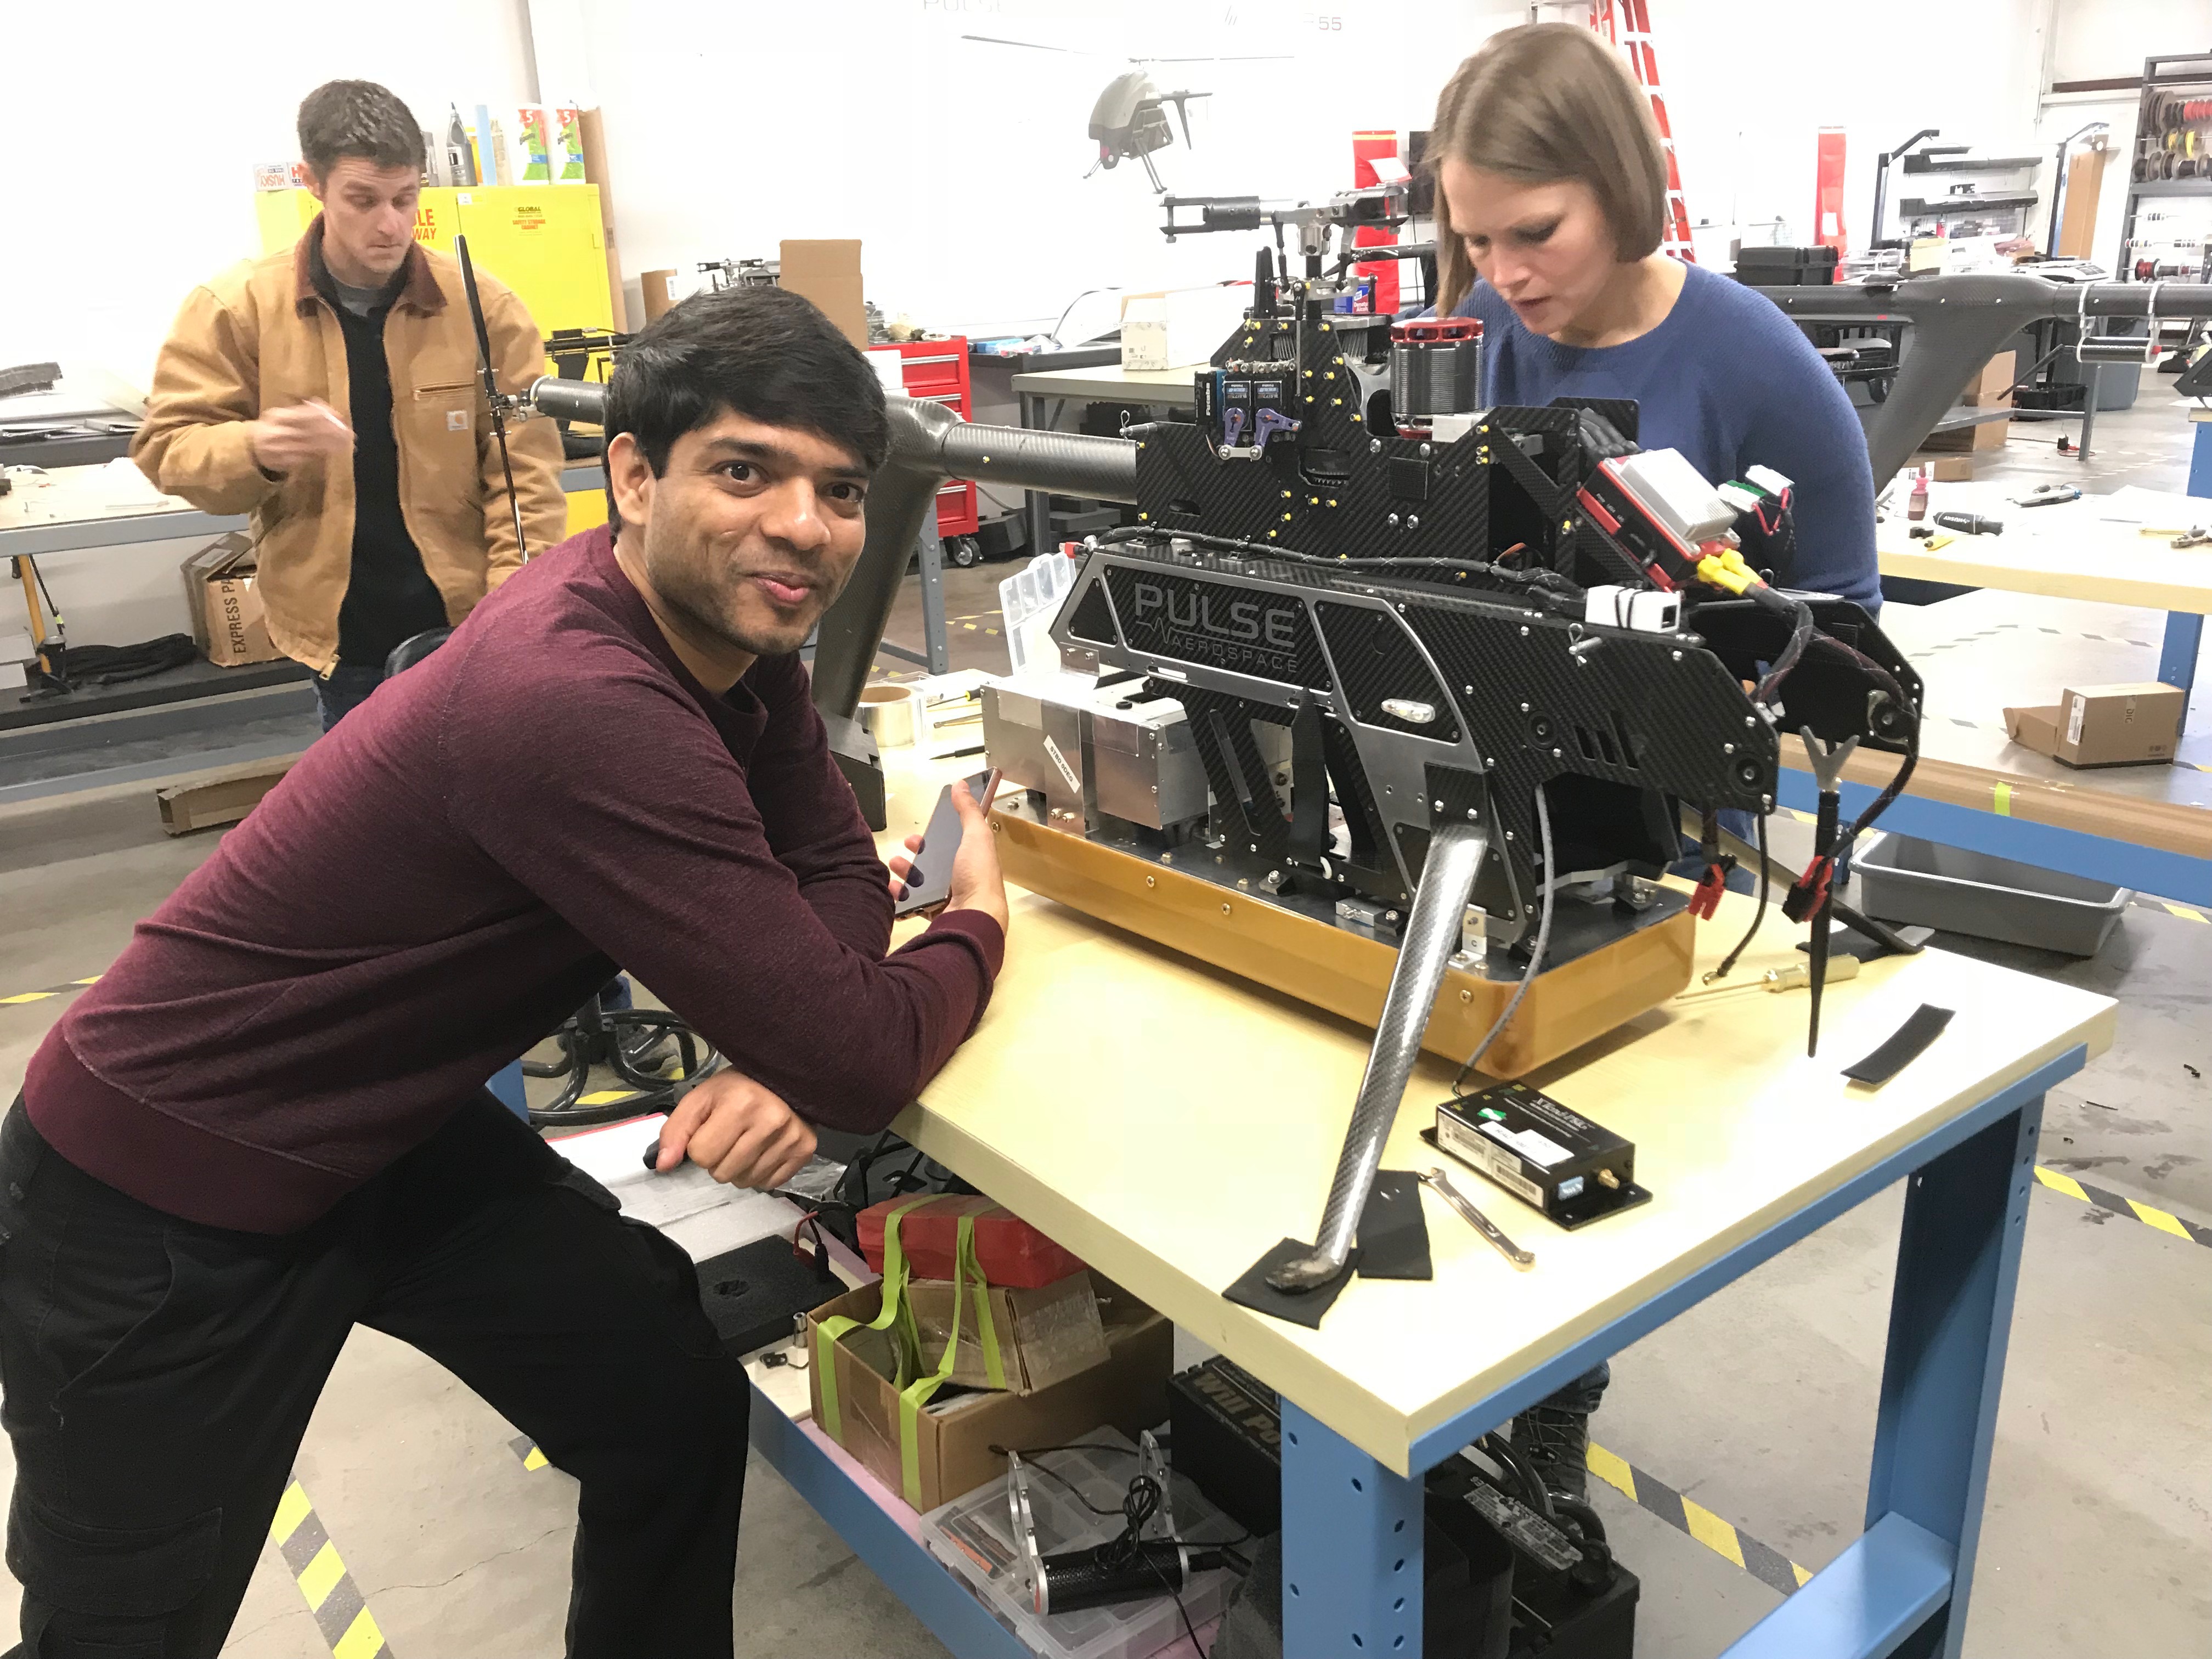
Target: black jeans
343,690
160,1373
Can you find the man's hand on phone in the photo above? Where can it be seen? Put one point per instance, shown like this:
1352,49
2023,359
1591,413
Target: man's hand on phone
738,1131
284,438
976,883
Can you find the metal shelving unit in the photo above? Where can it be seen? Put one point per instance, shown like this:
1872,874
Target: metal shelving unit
2168,144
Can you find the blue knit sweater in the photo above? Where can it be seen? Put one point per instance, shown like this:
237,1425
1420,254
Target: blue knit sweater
1730,381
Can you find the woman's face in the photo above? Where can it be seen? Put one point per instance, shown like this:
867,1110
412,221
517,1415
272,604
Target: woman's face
1545,248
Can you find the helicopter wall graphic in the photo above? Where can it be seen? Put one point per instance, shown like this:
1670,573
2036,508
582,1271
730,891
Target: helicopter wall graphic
1129,121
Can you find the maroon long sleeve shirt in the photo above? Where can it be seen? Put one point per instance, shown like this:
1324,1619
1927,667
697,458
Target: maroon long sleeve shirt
450,873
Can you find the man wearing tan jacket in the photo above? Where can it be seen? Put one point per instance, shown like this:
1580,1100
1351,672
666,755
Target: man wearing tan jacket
333,392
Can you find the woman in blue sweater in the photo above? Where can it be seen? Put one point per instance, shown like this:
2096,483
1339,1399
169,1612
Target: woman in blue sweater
1551,199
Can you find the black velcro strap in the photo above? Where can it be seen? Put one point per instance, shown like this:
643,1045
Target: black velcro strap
1903,1048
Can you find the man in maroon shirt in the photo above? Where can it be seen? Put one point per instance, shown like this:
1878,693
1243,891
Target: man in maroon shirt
266,1124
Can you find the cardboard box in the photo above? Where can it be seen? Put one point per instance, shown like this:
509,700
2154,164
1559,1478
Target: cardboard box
828,273
1945,468
229,623
1993,385
1977,439
1045,1335
225,798
2136,724
1179,328
955,1436
655,288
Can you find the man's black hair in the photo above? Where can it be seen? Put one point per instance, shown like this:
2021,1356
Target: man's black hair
357,118
763,352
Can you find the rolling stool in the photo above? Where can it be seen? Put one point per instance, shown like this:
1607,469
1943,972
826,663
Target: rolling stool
652,1052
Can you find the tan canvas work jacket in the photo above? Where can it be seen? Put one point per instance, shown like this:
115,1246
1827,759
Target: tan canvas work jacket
259,336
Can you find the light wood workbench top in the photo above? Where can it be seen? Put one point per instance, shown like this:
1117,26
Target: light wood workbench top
2067,551
1169,1123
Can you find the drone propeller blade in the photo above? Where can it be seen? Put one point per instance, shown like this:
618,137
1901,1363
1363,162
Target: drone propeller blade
491,389
1031,46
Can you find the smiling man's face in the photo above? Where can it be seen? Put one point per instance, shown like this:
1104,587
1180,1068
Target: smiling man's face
746,537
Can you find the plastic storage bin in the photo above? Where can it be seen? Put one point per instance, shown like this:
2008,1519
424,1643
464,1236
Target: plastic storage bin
1919,881
974,1536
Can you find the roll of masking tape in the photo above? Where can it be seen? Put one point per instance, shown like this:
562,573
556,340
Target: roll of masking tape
888,713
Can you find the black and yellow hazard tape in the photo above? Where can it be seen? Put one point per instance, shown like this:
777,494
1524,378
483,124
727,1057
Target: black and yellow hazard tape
1692,1520
526,1448
69,989
335,1600
2149,1214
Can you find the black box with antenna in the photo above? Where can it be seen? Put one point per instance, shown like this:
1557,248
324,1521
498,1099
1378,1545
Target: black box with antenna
1553,1159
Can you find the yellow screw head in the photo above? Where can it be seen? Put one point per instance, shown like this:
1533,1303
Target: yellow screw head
1143,515
1286,518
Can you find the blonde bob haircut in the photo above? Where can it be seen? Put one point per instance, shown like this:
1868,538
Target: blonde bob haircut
1543,103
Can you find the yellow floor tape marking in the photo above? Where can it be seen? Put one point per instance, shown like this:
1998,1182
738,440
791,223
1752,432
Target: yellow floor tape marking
291,1510
2061,1183
322,1575
30,996
362,1640
536,1460
607,1097
2185,913
1613,1471
1709,1530
1804,1577
2153,1216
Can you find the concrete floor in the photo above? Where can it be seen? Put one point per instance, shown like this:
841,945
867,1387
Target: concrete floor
1759,1403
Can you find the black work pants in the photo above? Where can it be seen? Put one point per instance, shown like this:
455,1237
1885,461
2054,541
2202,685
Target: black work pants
160,1373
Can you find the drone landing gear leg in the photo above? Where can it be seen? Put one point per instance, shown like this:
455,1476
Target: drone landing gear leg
1432,932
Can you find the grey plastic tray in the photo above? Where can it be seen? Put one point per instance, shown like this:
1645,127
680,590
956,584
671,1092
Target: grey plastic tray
1905,880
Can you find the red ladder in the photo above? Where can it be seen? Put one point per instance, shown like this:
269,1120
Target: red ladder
1627,25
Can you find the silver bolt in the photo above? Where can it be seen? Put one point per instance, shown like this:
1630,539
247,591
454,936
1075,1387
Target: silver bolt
1274,875
1524,630
1473,813
1244,883
1151,881
1524,706
1555,754
1439,806
1727,749
1389,916
1425,449
1388,790
1374,445
1412,523
1392,521
1678,656
1224,910
1749,719
1467,996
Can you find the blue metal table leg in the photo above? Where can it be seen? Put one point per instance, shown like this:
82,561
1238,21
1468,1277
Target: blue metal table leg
1950,1316
1352,1548
2177,652
2185,631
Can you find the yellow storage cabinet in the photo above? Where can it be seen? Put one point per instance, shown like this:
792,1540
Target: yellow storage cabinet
544,241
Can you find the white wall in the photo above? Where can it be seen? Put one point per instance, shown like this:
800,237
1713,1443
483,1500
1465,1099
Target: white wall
960,165
133,128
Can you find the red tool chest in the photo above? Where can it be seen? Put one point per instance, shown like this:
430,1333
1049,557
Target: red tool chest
937,370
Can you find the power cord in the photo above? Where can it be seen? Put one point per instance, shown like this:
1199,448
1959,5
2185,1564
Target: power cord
1535,957
1139,1505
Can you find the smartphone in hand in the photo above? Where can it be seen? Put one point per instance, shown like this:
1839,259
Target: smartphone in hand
929,884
